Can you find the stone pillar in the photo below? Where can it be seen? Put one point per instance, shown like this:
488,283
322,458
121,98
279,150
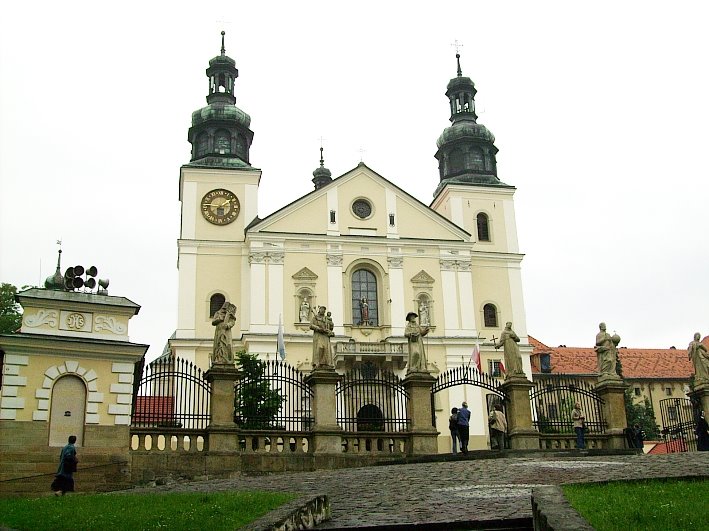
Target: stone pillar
612,392
222,430
327,438
424,436
523,435
701,395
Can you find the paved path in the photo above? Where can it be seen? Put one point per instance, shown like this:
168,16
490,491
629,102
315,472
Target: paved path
432,492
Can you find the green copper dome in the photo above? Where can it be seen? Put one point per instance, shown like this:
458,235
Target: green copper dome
465,130
221,111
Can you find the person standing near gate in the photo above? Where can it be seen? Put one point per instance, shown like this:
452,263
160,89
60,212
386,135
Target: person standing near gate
464,427
578,418
498,427
453,427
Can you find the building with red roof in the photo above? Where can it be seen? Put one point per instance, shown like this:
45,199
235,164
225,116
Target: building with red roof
653,374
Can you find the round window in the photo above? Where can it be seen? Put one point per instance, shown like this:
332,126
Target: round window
362,208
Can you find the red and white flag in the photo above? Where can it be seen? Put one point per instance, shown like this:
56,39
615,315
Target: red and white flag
502,367
475,357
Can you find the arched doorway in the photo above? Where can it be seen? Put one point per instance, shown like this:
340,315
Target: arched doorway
370,418
68,411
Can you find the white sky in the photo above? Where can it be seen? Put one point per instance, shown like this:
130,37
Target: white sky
599,110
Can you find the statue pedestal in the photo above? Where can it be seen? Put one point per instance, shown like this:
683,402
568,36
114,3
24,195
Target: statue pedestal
424,436
326,432
612,392
522,434
222,429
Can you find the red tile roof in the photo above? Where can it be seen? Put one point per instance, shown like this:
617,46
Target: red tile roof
153,408
637,362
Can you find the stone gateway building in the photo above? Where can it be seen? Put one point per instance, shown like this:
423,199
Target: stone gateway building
357,244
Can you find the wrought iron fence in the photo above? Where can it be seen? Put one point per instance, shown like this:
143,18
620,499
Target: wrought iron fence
171,393
679,424
371,399
553,397
277,399
468,375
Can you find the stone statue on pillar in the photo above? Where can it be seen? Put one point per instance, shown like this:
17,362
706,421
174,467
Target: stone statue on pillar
417,353
320,324
223,321
607,352
513,359
699,357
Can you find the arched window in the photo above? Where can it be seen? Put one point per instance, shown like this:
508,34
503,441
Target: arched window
216,301
483,227
490,315
364,298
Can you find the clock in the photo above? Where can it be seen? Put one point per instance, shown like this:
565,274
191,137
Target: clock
220,207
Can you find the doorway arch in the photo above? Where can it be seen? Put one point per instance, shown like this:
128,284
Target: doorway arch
68,410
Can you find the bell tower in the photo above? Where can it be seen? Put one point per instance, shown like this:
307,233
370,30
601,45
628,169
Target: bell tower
219,199
220,133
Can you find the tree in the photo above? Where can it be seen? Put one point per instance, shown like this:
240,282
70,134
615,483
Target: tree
257,405
10,310
643,415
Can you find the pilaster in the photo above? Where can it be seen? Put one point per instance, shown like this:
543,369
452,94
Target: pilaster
424,436
522,434
326,432
222,429
612,392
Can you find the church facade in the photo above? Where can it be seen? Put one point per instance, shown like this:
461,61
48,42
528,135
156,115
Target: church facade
357,244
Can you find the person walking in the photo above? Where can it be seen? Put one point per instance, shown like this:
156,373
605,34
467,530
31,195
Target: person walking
453,427
578,418
498,427
64,479
464,427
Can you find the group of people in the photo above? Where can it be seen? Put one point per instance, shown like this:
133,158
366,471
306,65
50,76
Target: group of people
459,426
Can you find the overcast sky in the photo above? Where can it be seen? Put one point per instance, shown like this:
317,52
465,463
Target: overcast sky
599,111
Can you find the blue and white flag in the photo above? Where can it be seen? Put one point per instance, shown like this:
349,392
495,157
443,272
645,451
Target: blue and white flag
280,343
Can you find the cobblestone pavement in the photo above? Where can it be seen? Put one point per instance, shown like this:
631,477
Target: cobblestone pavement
431,492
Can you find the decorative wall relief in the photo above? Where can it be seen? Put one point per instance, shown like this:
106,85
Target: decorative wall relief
111,324
41,317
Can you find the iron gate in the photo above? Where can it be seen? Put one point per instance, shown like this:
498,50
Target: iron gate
553,398
679,424
468,375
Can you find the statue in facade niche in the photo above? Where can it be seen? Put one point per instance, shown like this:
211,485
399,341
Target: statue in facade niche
304,310
322,332
607,352
364,311
417,354
513,359
699,357
223,321
423,313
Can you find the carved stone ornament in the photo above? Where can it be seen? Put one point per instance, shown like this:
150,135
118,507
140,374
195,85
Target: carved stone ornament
111,324
276,258
257,258
334,259
464,265
41,317
448,265
395,262
422,280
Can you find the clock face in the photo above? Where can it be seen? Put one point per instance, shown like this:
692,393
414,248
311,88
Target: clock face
220,207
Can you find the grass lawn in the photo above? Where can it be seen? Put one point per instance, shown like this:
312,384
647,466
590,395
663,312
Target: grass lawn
653,504
213,511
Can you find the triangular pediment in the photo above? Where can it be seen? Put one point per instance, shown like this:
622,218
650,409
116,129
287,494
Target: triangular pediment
422,278
389,212
305,275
